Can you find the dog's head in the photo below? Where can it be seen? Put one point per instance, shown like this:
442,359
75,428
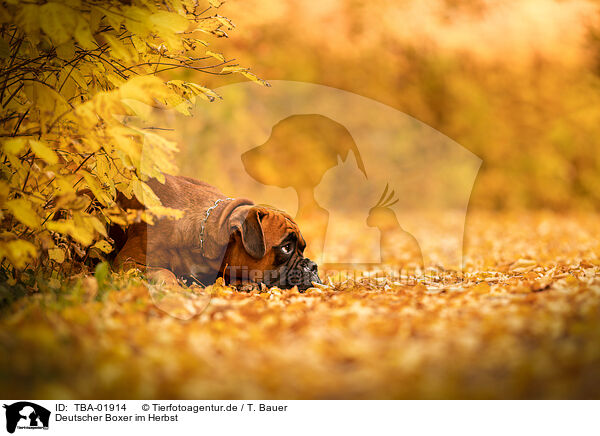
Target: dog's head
266,246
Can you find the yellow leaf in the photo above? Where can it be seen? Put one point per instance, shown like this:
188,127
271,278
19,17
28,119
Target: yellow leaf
102,167
44,152
64,185
183,108
103,246
191,5
14,146
97,225
115,217
4,191
218,56
176,5
95,18
139,44
145,194
158,141
18,252
144,89
225,22
83,34
21,209
58,22
233,69
169,21
141,110
48,99
114,18
215,3
97,190
118,49
135,21
56,254
255,78
165,212
28,18
114,79
66,50
68,227
204,92
4,49
70,201
246,73
211,25
78,78
125,160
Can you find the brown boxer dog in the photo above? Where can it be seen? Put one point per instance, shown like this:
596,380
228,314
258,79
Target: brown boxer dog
217,236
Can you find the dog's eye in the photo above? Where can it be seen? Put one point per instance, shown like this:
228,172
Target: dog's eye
287,248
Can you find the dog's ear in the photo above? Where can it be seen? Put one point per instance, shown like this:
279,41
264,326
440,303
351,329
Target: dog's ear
250,227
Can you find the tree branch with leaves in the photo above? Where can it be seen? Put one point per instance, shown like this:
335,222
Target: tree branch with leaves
70,71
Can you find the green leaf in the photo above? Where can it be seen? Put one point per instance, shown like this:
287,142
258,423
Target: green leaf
101,273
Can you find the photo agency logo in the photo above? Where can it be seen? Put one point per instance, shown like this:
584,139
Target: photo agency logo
364,183
24,415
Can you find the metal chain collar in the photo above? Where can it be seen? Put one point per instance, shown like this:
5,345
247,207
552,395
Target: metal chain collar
208,211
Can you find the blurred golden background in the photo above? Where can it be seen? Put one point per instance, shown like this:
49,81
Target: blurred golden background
516,82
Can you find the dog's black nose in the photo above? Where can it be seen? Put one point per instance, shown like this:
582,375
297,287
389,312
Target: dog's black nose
310,269
307,274
310,266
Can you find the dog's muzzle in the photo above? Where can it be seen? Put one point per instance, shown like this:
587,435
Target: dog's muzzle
302,275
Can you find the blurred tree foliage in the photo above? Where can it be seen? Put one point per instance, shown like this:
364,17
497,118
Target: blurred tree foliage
516,82
70,71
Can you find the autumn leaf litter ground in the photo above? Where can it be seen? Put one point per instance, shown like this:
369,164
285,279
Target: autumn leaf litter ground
522,321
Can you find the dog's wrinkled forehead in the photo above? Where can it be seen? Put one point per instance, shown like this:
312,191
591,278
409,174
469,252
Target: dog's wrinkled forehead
277,225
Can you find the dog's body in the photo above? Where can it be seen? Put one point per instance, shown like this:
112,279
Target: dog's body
217,236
